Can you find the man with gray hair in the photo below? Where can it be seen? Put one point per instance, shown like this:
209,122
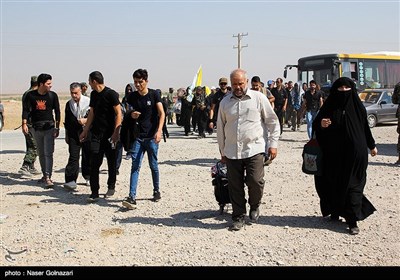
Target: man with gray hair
242,117
76,112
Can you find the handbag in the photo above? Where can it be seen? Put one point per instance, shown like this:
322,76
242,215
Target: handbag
312,157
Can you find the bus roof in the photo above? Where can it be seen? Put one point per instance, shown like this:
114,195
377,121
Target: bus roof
373,55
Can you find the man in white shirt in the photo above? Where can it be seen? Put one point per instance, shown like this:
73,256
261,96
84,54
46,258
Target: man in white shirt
242,117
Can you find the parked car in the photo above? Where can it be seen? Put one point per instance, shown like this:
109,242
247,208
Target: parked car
1,116
379,106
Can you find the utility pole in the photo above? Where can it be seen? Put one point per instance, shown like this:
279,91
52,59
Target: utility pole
239,45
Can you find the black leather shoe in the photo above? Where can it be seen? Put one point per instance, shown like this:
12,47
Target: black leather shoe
254,215
354,230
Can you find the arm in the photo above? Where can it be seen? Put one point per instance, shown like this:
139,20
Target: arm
57,112
271,123
211,118
161,119
89,121
25,114
221,120
118,121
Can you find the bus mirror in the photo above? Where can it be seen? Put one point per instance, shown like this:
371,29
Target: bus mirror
285,73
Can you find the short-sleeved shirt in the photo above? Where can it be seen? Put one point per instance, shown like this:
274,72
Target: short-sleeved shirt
104,115
313,100
40,107
147,106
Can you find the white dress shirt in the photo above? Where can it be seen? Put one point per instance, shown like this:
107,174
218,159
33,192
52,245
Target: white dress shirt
242,123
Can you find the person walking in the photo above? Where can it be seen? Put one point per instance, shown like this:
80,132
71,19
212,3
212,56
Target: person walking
242,117
344,136
104,122
76,113
312,102
149,113
281,99
40,105
28,165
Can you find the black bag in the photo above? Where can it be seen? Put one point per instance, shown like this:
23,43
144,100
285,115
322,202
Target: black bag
312,158
220,183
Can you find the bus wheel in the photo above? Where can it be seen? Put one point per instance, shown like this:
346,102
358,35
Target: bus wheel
371,120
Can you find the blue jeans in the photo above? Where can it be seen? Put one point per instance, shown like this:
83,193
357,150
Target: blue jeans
138,148
310,116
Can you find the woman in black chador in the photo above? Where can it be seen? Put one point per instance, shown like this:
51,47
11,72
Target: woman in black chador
344,136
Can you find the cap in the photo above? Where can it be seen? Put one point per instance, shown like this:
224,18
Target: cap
270,82
213,88
33,79
223,80
83,84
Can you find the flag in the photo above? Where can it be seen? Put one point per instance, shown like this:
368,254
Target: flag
197,80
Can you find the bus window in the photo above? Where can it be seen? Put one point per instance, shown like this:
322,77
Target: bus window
373,71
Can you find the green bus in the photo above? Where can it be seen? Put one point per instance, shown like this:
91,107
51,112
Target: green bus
368,70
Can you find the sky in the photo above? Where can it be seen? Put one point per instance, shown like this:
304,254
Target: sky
171,39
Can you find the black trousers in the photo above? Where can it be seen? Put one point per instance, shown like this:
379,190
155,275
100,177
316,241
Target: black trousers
249,171
96,156
72,168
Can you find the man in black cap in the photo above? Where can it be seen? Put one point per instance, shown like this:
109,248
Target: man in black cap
28,166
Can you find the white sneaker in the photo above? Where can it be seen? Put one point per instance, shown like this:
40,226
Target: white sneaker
70,185
88,182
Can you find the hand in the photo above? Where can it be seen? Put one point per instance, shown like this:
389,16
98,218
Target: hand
83,136
374,152
272,152
223,159
25,129
135,115
326,122
56,132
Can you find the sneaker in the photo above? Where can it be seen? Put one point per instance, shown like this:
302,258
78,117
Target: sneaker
129,203
237,225
156,196
110,192
88,182
70,185
254,215
48,183
24,170
34,171
93,198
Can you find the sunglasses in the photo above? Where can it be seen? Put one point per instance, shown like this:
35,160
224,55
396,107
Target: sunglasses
223,84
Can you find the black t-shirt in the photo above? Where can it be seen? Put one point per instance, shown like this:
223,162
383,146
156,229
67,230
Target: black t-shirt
280,96
313,100
40,107
104,115
216,99
146,105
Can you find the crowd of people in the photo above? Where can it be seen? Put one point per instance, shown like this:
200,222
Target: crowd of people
249,121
